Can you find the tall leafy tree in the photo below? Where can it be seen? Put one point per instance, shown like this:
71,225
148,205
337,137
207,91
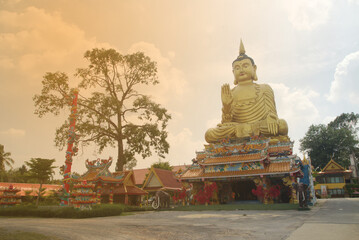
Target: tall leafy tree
336,140
18,175
346,120
41,170
162,165
112,112
5,160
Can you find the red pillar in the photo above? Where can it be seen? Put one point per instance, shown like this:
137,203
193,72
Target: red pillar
70,150
99,190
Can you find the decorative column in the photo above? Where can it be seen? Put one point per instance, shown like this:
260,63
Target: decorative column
288,181
111,195
70,150
294,192
265,190
99,190
84,196
126,195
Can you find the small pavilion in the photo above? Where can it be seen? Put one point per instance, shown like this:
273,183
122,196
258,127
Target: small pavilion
331,180
117,187
161,179
141,174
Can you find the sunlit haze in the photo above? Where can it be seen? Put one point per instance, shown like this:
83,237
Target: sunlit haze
308,51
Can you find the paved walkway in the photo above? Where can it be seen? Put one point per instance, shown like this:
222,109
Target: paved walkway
337,219
330,219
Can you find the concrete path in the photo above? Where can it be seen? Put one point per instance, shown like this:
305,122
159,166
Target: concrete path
337,219
339,216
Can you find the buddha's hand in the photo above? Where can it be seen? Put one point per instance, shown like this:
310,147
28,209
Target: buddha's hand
272,123
226,94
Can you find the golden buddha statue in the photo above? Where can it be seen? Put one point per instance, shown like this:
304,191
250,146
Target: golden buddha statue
249,108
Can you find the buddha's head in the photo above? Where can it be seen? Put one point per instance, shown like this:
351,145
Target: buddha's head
243,67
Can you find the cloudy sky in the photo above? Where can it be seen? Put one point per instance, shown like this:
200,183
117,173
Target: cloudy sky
307,50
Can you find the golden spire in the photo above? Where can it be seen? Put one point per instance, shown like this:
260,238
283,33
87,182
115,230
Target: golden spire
242,51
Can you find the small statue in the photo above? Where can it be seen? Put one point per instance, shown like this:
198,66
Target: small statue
304,184
302,195
161,200
248,109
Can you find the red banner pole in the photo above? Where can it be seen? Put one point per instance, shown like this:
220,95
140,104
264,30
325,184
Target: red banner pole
71,151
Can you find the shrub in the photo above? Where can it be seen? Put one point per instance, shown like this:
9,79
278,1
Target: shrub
62,212
350,188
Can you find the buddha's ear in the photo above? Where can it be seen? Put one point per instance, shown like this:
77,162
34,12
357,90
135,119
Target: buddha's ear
255,78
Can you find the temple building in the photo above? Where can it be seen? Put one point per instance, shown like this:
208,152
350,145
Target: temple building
117,187
331,180
161,179
141,174
240,168
249,154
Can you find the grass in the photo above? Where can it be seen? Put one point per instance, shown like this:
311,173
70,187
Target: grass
105,210
102,210
231,207
21,235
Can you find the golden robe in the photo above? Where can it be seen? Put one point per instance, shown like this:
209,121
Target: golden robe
248,117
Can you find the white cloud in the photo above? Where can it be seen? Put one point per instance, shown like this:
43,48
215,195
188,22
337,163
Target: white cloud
41,41
183,147
308,14
172,85
213,122
171,54
328,119
296,107
6,63
354,1
13,132
345,84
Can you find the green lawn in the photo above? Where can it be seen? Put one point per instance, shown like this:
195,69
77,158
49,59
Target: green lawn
20,235
102,210
105,210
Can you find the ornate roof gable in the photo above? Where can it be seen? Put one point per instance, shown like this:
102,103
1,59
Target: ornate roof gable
332,166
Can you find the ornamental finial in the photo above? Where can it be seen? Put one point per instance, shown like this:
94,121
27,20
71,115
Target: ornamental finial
242,51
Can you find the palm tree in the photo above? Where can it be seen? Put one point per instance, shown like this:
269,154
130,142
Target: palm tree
5,159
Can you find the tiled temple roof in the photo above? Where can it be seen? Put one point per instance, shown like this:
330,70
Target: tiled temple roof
201,155
269,169
276,149
94,177
120,190
31,187
140,174
234,158
167,178
89,176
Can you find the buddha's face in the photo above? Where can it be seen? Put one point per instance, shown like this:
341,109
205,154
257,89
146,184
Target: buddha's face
244,70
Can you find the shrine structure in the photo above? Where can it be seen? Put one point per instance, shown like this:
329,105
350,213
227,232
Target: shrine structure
9,197
117,187
84,196
249,154
331,180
